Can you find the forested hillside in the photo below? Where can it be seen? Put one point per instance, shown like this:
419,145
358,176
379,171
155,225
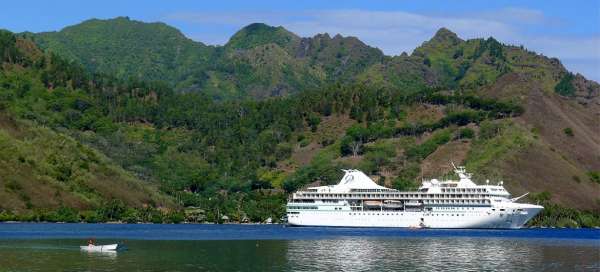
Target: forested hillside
46,174
324,104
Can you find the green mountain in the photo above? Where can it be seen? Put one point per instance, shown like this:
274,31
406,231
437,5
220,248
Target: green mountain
258,61
126,48
325,104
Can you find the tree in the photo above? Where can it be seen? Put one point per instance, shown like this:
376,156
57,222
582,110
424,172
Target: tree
112,210
489,129
565,86
465,133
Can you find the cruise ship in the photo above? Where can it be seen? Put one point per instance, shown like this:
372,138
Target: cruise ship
357,201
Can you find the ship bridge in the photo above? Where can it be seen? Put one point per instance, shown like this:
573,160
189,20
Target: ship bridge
462,185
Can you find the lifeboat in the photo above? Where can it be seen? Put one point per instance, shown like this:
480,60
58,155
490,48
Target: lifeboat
372,203
392,204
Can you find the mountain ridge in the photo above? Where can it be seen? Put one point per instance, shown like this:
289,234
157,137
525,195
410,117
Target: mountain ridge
221,71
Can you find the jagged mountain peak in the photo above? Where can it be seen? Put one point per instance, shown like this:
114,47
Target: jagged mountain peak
259,27
257,34
445,35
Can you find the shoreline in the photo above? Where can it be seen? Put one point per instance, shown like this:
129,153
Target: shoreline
276,224
136,223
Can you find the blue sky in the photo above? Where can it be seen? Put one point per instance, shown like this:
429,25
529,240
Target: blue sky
569,30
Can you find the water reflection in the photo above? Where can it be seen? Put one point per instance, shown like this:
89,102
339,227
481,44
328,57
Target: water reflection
332,255
335,254
436,254
103,255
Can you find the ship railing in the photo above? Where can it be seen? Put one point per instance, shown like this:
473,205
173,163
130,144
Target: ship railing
391,196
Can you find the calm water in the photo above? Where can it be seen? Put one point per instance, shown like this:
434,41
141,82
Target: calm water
55,247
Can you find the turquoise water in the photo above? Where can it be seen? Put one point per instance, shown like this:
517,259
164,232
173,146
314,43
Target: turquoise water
55,247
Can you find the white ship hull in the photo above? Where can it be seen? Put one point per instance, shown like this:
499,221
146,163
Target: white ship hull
445,220
358,202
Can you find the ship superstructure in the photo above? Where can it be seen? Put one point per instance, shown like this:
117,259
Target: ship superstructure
357,201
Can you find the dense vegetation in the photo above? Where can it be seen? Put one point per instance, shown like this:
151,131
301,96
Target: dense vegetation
565,85
237,157
560,216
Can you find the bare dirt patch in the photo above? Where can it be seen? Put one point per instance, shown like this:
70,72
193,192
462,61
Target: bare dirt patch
551,115
330,129
303,155
425,113
539,169
558,160
439,162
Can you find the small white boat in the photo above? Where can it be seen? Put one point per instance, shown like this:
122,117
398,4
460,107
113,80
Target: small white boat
101,248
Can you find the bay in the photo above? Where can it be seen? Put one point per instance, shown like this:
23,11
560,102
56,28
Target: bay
158,247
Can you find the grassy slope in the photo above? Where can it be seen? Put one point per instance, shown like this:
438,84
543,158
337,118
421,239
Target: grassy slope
43,169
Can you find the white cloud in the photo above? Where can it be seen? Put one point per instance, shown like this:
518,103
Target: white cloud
398,31
513,15
395,32
565,47
226,18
